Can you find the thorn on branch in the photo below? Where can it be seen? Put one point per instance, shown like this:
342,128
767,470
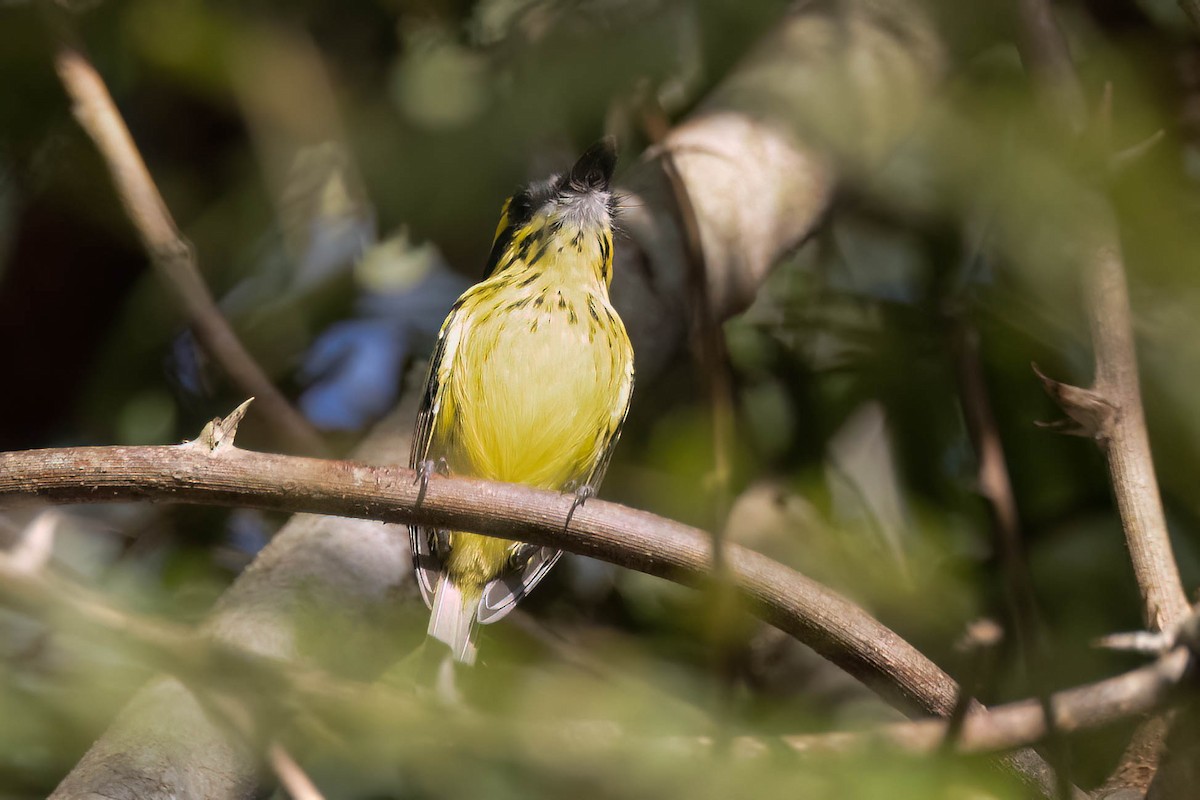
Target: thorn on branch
1156,643
219,434
1150,643
1088,412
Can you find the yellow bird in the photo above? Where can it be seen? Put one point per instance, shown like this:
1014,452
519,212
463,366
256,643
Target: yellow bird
530,383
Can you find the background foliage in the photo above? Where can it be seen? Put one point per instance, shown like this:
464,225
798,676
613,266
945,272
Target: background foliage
339,168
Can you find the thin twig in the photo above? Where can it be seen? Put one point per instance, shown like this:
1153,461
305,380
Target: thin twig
292,776
173,256
1111,410
995,730
996,487
1126,441
979,644
707,336
1140,691
1144,642
711,355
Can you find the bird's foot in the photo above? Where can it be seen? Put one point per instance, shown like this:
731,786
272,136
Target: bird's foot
425,470
583,493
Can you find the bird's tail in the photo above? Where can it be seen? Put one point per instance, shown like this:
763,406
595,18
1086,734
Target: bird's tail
453,620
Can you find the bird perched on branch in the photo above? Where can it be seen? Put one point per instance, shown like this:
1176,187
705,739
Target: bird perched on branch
530,382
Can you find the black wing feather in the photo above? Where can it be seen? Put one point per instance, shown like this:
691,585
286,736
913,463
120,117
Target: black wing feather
427,560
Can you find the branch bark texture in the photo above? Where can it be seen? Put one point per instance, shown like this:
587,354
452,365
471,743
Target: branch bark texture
192,473
1111,410
215,472
1140,691
1126,441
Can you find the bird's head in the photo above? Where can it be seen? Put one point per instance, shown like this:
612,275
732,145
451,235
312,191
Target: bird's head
574,209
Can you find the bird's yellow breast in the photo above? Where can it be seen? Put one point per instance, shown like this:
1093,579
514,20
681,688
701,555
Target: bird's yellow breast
541,374
536,386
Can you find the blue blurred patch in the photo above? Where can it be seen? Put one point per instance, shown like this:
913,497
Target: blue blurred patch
353,369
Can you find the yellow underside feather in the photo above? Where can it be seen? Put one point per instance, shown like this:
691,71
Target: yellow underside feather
536,391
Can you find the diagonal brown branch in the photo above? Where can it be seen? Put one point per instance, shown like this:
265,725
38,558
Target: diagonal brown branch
1111,410
1127,442
293,777
226,475
996,487
173,256
1121,427
1021,723
211,470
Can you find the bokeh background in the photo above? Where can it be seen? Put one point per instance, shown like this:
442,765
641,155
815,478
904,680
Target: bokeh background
339,168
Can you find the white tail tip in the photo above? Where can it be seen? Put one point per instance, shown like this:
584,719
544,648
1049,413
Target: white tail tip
452,621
